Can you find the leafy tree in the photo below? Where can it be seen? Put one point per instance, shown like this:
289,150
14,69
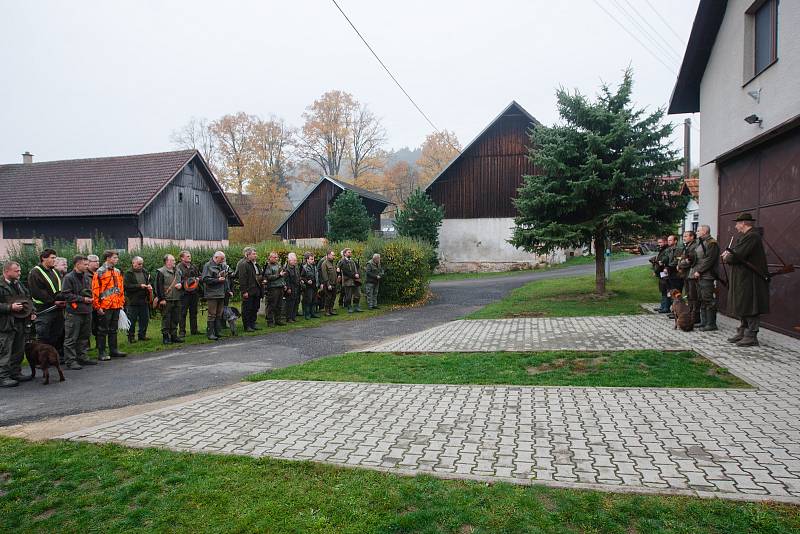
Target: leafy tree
600,176
348,218
438,150
421,218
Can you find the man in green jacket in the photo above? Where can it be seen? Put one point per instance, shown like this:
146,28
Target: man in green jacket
705,273
217,286
249,276
138,292
12,326
661,272
328,279
748,283
374,272
274,275
685,265
351,280
169,291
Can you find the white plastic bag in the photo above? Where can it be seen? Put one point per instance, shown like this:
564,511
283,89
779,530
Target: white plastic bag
124,323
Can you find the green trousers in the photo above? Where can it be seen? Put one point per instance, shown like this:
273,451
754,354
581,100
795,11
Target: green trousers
12,350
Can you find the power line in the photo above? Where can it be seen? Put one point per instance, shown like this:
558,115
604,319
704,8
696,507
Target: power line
667,24
656,56
667,54
384,66
667,44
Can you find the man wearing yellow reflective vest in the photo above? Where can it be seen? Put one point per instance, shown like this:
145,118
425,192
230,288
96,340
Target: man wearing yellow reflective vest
44,284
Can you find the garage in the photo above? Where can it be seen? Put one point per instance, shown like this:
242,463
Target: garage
764,179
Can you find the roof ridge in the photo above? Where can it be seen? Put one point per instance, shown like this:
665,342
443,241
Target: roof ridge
185,150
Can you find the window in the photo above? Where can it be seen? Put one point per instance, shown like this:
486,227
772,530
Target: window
180,196
197,199
765,34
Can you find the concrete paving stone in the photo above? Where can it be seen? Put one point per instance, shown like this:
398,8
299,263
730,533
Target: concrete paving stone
744,442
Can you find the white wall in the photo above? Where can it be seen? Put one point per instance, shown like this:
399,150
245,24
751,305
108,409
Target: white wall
724,102
481,244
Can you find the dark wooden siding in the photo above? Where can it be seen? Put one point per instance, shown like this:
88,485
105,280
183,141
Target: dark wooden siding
115,230
766,182
309,220
483,181
186,209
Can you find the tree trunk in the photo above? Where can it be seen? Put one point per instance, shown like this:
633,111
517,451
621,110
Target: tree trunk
600,264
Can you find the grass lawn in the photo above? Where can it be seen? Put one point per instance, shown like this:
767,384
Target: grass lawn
70,487
575,260
633,368
154,329
574,296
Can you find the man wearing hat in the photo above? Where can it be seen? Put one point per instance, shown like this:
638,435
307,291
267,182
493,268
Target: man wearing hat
15,309
748,283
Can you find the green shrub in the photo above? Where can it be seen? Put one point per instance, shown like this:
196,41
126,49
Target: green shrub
348,218
406,262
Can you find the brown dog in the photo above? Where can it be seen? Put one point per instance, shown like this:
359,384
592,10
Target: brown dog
683,316
43,356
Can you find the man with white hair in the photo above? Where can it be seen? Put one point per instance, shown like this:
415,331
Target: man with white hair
138,294
169,290
216,284
374,274
12,325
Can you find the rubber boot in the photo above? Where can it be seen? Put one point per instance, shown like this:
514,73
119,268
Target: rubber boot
131,337
313,310
711,320
101,348
210,331
748,341
218,328
702,319
165,338
113,351
738,336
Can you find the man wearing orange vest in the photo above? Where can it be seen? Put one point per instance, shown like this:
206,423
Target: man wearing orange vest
108,293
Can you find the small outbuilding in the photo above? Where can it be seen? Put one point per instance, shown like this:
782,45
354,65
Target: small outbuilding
129,201
477,191
308,221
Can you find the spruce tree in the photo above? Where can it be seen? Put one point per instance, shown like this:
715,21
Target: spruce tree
600,176
420,218
348,219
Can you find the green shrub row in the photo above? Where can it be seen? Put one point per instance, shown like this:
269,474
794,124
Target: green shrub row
404,259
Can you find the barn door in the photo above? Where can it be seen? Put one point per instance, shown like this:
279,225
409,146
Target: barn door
766,182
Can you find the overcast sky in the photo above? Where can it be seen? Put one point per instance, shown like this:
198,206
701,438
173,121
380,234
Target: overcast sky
87,79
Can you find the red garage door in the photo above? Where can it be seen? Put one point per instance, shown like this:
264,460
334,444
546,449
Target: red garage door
766,182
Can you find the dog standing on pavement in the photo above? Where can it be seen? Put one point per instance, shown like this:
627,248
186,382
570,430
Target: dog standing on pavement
43,356
683,315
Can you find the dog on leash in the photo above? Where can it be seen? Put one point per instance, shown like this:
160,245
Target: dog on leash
43,356
683,316
230,315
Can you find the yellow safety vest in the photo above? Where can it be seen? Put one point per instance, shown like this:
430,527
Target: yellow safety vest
49,281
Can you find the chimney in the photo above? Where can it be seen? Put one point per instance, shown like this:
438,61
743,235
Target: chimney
27,158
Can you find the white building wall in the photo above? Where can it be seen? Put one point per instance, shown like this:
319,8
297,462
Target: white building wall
724,102
468,245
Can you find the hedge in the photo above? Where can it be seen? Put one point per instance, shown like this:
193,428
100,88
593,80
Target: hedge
404,259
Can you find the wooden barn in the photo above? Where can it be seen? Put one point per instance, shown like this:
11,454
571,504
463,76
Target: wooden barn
169,197
477,189
308,220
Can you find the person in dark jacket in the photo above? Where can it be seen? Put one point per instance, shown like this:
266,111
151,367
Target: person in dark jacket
44,283
328,278
374,272
138,293
292,290
216,287
190,295
351,280
12,327
169,290
660,271
77,291
94,264
249,277
705,271
748,283
275,278
309,281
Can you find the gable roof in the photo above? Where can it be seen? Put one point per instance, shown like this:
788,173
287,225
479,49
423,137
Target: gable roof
96,187
512,107
344,186
686,94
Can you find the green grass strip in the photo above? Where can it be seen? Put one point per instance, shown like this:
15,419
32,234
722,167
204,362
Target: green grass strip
70,487
633,368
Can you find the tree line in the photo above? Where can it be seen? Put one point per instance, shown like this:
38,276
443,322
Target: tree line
258,159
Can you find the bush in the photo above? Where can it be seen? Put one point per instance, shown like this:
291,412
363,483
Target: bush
401,256
421,218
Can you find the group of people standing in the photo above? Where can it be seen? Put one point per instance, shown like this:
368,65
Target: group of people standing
693,267
66,309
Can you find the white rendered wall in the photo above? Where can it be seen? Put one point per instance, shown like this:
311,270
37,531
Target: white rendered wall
481,244
724,102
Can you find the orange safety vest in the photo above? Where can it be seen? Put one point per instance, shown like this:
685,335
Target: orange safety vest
108,290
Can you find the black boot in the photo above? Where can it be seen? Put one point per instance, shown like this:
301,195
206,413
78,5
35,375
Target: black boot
175,338
101,348
738,336
165,339
113,351
218,328
210,331
131,337
711,321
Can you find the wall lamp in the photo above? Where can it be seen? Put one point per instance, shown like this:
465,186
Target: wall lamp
753,119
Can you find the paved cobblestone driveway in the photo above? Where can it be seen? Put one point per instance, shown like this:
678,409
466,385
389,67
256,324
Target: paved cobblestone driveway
741,444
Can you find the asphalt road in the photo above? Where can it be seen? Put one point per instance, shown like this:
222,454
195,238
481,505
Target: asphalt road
161,375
